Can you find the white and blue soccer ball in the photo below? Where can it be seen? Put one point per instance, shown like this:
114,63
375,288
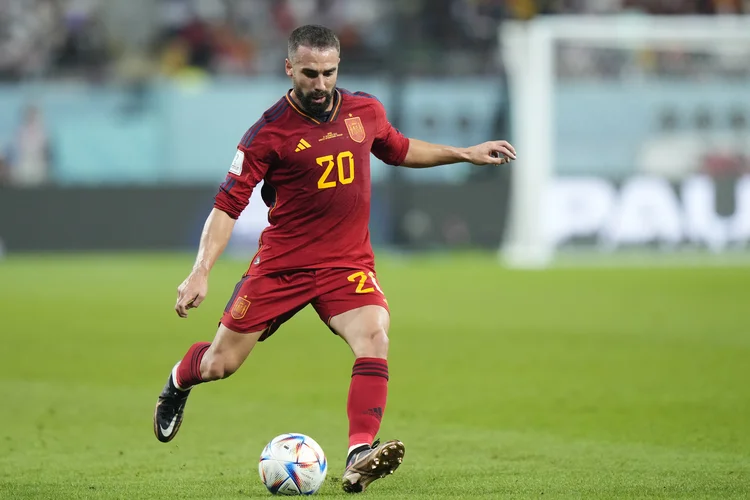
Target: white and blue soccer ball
293,464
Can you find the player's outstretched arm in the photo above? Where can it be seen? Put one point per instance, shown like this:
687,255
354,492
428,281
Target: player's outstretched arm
216,233
423,154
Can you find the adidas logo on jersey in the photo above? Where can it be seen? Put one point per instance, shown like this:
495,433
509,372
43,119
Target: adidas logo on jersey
302,145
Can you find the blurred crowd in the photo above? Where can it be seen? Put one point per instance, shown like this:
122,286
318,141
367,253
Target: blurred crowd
103,39
43,38
526,9
135,41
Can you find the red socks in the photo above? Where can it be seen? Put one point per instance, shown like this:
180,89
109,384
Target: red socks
189,370
367,395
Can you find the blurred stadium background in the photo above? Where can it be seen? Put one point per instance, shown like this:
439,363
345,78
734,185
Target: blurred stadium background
145,100
618,370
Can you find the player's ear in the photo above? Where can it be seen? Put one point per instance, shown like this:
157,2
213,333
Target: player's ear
288,68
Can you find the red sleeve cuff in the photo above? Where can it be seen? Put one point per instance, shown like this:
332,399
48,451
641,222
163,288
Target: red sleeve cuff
403,151
227,204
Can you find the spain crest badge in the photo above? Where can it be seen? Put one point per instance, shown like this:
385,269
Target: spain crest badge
240,307
355,128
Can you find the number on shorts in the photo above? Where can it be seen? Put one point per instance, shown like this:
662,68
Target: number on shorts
362,277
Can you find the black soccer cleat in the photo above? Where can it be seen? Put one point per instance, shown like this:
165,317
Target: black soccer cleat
169,409
364,467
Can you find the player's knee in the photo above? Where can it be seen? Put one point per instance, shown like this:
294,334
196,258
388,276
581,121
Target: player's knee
374,343
380,341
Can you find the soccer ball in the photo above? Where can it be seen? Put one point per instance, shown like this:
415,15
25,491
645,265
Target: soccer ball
292,464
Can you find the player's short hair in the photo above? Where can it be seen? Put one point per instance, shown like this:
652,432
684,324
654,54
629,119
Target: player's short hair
313,36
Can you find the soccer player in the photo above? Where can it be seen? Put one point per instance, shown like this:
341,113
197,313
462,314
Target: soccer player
312,150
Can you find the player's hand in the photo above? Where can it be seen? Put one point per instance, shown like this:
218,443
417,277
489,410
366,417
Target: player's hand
492,153
191,293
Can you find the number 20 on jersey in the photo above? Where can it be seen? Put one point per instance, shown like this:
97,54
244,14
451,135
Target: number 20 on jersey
338,170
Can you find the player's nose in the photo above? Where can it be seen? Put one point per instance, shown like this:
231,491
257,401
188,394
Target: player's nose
320,83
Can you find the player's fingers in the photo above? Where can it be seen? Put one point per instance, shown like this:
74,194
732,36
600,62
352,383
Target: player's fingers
198,300
181,306
503,145
505,156
509,146
507,151
181,311
188,299
493,158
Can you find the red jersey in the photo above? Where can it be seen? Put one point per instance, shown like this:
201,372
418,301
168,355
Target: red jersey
316,182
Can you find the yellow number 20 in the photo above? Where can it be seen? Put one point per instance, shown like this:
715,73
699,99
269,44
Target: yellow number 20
344,162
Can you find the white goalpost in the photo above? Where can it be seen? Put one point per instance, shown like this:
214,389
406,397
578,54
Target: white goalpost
530,53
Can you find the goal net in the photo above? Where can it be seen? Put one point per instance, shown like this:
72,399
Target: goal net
632,132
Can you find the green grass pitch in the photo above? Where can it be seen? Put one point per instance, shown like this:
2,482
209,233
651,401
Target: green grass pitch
566,383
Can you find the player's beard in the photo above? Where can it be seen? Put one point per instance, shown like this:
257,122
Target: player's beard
311,107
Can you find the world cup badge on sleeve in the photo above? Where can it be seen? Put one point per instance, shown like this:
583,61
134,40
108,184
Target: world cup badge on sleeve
355,128
239,309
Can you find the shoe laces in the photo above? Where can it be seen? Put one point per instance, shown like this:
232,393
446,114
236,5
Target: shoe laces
175,398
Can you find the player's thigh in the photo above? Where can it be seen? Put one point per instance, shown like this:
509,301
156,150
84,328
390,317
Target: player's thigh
365,329
264,303
353,305
344,290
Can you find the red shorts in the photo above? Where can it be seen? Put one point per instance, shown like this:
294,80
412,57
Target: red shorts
264,303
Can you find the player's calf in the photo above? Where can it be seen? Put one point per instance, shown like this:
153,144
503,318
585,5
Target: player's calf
224,356
216,367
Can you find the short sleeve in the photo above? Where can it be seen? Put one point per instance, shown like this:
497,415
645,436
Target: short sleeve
251,162
390,145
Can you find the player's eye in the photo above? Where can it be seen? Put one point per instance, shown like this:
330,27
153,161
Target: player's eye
310,74
329,72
